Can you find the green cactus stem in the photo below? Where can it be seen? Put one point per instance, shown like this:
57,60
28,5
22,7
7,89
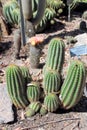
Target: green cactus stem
51,82
43,110
73,86
55,55
35,106
33,92
15,86
26,74
51,102
29,112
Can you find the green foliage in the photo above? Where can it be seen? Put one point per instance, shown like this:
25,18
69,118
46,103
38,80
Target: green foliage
73,86
15,86
51,102
33,92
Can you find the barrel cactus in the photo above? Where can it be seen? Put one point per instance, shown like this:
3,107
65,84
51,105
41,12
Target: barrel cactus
43,110
51,102
73,86
35,106
26,74
33,92
15,86
51,82
55,56
29,112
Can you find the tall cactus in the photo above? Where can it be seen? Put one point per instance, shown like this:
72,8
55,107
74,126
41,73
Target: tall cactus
15,85
55,56
73,86
51,82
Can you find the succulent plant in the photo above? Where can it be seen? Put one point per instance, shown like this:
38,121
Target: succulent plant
33,92
15,86
43,110
51,82
26,74
29,112
55,55
73,86
51,102
35,106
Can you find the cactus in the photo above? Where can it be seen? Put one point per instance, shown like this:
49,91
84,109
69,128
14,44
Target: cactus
15,86
33,92
73,86
43,110
29,112
26,74
13,17
51,82
35,106
51,102
55,56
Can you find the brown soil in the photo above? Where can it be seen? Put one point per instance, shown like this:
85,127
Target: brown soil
74,119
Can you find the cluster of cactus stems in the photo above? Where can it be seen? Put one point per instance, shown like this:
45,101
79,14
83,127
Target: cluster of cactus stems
41,17
27,94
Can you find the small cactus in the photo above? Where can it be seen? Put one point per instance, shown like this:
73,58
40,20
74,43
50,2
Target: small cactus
51,102
35,106
33,92
29,112
51,82
43,110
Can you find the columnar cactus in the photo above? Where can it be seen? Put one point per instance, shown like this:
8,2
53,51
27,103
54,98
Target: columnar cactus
55,56
15,86
26,74
51,102
33,92
51,82
73,86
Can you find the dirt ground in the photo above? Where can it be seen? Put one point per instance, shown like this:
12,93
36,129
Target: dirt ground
74,119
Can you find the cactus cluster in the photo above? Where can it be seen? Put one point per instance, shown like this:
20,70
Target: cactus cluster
11,12
53,9
55,94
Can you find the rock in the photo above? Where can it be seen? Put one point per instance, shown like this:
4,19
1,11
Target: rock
6,112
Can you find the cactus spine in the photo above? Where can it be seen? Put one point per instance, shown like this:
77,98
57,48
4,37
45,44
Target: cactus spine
51,102
73,86
33,92
51,82
15,85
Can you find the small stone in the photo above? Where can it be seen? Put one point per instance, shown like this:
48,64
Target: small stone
6,112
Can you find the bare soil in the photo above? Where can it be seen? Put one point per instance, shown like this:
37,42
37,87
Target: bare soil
73,119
